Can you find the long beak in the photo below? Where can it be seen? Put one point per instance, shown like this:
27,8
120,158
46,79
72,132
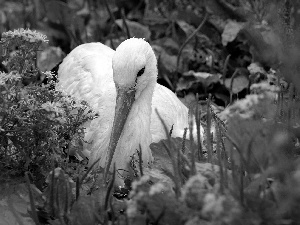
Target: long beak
124,101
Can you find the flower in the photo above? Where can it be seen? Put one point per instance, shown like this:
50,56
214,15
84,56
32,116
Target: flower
12,76
53,107
194,191
156,189
213,205
132,208
249,107
28,35
223,208
144,179
263,87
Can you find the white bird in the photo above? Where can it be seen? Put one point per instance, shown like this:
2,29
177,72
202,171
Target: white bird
121,86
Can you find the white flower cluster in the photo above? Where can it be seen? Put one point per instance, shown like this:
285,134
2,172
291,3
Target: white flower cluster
264,87
53,107
194,191
156,189
255,68
245,108
213,204
49,74
28,35
12,76
220,208
132,208
135,184
136,195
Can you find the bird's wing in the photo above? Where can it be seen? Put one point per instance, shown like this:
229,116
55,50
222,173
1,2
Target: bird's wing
86,74
172,111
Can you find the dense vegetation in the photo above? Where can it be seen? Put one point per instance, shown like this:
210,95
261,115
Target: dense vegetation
233,63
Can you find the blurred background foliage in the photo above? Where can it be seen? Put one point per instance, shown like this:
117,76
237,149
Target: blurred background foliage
192,59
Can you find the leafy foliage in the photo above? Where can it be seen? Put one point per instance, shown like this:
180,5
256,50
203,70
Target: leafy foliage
37,122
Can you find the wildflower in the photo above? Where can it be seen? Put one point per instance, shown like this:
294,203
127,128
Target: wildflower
139,187
263,87
49,75
255,68
57,172
156,189
60,174
245,108
194,191
144,179
9,77
132,208
220,207
53,107
28,35
213,205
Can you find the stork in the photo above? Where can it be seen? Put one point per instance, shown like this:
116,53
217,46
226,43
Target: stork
121,87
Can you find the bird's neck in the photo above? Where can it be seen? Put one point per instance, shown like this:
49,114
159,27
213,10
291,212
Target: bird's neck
136,131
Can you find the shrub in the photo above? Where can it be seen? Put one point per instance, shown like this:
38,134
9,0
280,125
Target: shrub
36,122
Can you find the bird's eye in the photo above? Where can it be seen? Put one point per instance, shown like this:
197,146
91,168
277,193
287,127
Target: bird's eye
140,73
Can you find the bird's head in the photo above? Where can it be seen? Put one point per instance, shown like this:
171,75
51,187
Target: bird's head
134,72
134,65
